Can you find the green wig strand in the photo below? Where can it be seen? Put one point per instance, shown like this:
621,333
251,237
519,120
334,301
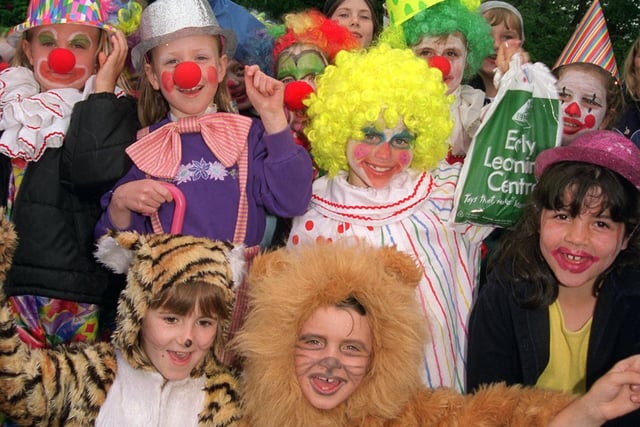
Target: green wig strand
386,83
447,17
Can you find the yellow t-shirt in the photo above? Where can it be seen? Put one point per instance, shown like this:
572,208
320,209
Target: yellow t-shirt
567,365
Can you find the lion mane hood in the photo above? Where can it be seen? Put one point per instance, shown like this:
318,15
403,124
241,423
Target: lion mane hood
286,286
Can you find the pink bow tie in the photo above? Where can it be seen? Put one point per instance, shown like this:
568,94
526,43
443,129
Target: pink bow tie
159,153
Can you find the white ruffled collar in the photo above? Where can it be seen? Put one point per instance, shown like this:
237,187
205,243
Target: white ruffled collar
32,121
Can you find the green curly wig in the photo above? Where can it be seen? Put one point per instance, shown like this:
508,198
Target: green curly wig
444,18
386,83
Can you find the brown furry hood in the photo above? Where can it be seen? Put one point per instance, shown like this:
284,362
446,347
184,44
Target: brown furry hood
286,286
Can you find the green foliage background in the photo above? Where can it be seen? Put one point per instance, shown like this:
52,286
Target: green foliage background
12,13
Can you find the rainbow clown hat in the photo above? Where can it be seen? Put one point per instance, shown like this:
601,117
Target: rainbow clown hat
402,10
590,43
46,12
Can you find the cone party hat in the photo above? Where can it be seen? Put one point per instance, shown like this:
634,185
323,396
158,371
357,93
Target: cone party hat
590,43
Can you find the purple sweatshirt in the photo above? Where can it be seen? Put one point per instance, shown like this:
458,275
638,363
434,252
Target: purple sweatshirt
279,182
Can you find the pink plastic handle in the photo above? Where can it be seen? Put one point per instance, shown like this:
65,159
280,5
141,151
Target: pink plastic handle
180,207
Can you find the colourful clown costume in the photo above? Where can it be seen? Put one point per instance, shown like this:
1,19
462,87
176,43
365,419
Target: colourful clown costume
64,128
413,211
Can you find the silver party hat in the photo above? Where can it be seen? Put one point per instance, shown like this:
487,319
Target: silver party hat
167,20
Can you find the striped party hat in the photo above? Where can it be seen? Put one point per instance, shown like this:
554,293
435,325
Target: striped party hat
590,43
46,12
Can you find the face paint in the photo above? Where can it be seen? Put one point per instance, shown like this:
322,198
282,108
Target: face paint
583,100
80,40
212,75
452,47
176,344
167,81
237,88
203,51
374,161
300,62
332,355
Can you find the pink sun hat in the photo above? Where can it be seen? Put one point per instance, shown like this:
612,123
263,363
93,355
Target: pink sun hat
604,148
48,12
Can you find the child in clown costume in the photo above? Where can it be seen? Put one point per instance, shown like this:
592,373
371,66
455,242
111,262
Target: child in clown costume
379,127
233,170
588,87
452,31
245,167
304,45
65,125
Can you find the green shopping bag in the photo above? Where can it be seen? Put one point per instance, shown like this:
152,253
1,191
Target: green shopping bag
497,176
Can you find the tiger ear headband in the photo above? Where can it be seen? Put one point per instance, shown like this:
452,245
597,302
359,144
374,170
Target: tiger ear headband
154,262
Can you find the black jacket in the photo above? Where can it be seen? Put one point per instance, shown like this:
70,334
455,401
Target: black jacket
510,343
58,203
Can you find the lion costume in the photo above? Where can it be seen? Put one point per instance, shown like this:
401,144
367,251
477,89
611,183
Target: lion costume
287,285
68,386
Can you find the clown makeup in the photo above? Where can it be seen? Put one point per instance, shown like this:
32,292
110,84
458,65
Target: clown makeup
202,50
332,355
453,47
80,40
237,88
300,62
380,156
583,98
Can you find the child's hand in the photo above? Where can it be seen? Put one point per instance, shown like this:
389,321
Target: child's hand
144,196
616,393
110,67
267,97
506,51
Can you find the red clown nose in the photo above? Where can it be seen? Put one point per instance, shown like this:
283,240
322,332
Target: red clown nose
187,75
61,60
441,63
295,93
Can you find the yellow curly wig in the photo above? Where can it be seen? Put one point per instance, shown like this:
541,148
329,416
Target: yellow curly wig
382,83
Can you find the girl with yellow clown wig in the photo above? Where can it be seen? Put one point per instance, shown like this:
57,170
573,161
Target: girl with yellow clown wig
379,128
378,89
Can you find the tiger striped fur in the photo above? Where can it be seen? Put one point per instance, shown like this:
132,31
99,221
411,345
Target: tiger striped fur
68,385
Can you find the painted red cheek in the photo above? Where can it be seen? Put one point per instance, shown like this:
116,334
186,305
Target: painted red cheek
590,121
361,151
404,158
212,75
167,81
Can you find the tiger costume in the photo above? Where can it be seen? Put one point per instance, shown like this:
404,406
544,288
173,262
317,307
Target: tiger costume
70,386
